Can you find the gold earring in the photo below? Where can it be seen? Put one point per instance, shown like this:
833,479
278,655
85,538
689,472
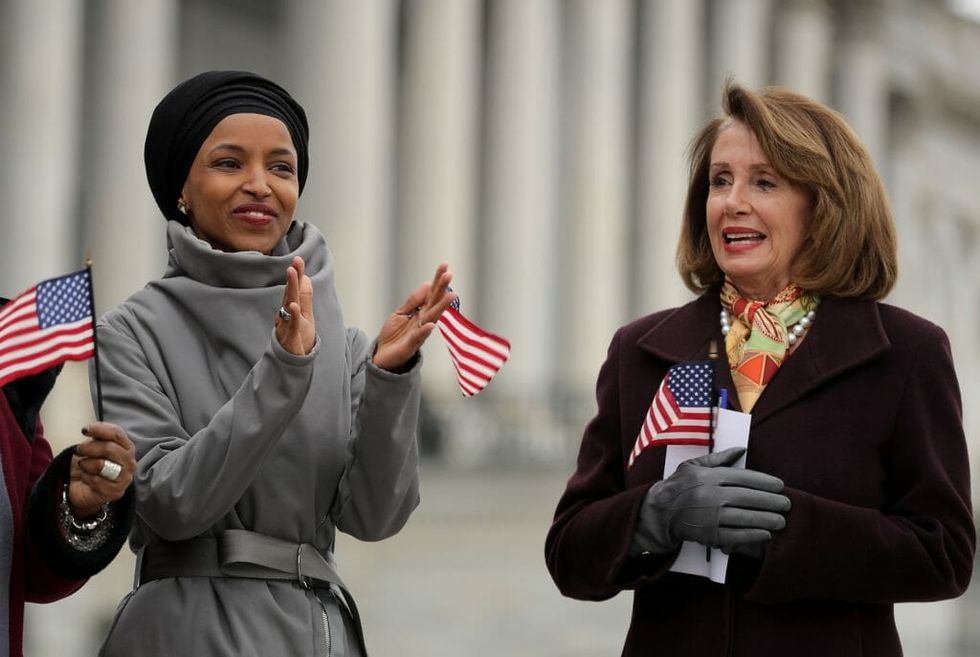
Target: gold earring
181,206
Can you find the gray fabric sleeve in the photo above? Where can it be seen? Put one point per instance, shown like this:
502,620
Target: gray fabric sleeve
380,485
184,486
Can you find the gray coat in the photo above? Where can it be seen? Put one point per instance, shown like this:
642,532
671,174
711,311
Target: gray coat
233,432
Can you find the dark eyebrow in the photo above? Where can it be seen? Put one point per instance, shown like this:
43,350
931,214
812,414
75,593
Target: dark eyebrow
238,149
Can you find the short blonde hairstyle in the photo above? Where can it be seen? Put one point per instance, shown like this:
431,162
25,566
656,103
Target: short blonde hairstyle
849,247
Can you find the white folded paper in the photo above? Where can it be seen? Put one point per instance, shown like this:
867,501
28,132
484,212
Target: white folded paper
731,430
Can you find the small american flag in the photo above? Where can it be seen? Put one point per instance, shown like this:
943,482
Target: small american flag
46,325
681,410
476,354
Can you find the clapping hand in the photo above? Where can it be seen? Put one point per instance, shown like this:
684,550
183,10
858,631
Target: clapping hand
409,326
295,325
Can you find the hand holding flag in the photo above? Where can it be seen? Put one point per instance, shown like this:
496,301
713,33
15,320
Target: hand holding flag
409,327
476,354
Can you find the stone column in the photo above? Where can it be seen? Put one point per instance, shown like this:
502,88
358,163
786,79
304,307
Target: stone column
518,223
40,133
911,201
520,197
437,123
133,63
739,43
670,112
595,190
343,73
804,40
862,93
40,69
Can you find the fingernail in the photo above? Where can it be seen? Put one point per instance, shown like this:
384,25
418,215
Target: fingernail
85,431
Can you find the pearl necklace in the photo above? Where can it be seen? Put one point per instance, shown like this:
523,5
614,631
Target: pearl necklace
792,335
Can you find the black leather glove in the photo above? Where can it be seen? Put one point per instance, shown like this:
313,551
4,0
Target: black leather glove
707,501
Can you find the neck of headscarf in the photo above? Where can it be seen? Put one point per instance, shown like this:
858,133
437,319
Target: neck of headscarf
757,342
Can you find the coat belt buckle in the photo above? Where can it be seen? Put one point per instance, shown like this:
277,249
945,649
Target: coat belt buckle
304,581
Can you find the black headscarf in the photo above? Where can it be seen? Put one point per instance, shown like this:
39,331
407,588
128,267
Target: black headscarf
187,115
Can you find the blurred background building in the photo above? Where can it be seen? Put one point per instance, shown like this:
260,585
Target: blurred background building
539,147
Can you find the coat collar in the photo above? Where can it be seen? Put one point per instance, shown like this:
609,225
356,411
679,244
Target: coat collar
194,258
846,334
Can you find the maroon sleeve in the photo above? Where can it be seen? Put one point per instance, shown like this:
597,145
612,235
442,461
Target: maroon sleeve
42,584
920,546
587,547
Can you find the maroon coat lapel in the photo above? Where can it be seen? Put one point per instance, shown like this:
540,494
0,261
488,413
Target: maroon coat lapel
846,334
686,335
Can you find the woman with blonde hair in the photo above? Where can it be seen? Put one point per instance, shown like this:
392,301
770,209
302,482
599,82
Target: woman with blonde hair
856,492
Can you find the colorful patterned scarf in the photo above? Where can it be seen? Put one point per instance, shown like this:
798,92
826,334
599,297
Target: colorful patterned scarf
757,343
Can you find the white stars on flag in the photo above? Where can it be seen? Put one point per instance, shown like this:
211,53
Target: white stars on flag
680,413
46,325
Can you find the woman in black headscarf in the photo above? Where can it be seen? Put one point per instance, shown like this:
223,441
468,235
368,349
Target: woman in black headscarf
262,424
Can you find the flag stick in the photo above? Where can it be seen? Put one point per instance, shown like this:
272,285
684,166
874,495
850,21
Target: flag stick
95,339
713,400
712,406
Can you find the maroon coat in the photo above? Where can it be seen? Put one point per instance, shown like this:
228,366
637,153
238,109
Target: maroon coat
31,577
862,423
44,567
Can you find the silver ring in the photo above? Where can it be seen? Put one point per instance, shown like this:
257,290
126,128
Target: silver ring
110,470
284,314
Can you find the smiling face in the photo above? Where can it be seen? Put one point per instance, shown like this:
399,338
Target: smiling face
756,218
242,188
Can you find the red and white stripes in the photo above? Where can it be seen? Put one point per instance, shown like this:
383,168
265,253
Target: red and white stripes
476,354
667,423
26,348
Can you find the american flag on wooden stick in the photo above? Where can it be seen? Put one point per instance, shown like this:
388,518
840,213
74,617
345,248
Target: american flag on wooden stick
680,413
476,354
46,325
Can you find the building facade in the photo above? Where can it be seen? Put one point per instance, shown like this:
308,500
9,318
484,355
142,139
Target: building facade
538,146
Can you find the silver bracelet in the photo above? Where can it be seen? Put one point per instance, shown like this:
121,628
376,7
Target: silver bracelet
85,527
88,535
